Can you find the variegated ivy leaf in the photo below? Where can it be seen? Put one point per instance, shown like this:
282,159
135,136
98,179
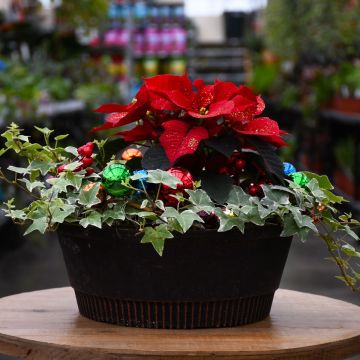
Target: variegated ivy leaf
350,232
59,184
72,150
31,185
162,177
42,166
73,166
302,220
144,203
138,176
117,212
349,250
93,218
322,180
278,196
139,213
290,227
59,214
61,137
185,218
15,214
74,179
160,204
229,221
254,217
156,237
201,200
315,190
89,197
19,170
237,197
40,224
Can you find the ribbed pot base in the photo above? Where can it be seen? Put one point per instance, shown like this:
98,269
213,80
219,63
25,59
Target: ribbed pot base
175,315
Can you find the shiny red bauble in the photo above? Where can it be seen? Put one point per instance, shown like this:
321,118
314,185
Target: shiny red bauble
87,161
86,150
240,164
255,190
184,176
89,171
61,168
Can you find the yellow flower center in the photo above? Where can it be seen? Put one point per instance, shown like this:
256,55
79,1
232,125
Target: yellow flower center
203,111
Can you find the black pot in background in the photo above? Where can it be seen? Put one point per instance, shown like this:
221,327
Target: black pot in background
203,279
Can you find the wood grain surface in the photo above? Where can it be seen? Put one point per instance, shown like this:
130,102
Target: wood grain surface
46,325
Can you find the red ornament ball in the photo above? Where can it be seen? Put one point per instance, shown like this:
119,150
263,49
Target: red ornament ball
61,168
89,171
254,189
184,176
187,183
86,150
87,161
240,164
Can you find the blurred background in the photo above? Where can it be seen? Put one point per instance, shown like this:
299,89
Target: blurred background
59,59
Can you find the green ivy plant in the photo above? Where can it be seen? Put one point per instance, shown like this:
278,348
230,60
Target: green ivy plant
56,198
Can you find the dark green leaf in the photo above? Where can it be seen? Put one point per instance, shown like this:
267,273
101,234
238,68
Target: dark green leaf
112,147
155,158
210,183
268,153
224,144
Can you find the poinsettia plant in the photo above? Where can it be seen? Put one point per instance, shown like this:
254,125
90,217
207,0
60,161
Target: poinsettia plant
183,156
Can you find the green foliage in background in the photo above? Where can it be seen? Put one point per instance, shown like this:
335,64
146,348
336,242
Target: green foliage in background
294,29
83,13
25,86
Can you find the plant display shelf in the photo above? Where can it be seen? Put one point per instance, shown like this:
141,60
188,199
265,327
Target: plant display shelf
213,61
46,325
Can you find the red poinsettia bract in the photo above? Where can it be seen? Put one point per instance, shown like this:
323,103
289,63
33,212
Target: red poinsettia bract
121,115
181,114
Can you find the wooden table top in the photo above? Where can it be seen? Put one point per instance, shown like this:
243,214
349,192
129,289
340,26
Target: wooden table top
46,325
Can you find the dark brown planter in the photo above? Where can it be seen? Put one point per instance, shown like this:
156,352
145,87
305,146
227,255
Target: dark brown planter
204,278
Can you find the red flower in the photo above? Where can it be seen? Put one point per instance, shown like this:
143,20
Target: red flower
180,138
168,105
262,127
145,131
176,93
124,114
246,106
209,102
169,92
